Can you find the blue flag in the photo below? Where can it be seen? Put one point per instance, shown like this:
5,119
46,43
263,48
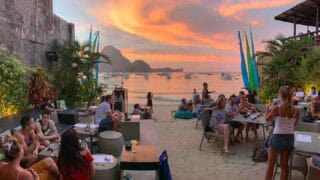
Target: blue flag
243,65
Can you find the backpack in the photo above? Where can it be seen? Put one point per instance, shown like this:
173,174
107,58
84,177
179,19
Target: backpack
164,170
260,153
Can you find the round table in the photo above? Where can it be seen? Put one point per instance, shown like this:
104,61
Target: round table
104,169
110,142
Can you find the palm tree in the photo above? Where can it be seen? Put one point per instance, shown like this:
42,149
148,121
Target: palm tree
285,58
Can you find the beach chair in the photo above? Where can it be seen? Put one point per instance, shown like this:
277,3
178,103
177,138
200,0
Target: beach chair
207,132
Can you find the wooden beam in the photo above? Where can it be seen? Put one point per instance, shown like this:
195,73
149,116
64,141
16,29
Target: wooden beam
294,28
317,20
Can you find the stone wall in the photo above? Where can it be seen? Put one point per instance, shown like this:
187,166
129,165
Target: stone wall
28,27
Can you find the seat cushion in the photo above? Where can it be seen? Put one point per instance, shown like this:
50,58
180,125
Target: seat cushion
184,115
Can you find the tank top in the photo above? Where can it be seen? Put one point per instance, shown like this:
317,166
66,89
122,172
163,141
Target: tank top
45,131
284,125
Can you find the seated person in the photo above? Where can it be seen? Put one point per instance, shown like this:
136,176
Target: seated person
313,94
28,139
219,124
74,162
183,106
14,153
231,110
315,108
137,110
246,107
104,116
298,95
241,93
49,106
251,97
46,130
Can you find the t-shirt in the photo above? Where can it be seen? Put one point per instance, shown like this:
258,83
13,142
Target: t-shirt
77,174
219,115
101,111
182,107
300,94
230,109
313,95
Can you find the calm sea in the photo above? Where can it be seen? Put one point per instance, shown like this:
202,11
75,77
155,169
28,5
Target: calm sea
169,90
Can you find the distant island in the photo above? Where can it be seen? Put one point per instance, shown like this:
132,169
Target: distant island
120,63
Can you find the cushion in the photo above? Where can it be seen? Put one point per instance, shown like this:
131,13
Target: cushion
184,115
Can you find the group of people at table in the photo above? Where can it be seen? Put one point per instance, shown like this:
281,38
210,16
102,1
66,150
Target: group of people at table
74,160
284,117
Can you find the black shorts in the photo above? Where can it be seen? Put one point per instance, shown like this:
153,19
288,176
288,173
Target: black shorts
235,125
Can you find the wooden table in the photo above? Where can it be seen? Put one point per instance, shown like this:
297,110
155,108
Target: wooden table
145,158
305,148
259,120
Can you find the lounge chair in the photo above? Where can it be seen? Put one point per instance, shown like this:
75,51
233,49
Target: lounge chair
207,132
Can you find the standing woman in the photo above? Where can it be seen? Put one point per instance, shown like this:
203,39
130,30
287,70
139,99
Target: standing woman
149,100
285,117
74,162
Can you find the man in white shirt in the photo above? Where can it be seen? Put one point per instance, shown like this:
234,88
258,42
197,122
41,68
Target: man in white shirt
299,95
313,94
104,116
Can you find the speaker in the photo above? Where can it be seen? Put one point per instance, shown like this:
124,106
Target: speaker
68,117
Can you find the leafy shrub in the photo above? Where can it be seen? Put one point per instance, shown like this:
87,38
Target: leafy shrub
13,83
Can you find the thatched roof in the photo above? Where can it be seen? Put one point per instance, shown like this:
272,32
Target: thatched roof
303,13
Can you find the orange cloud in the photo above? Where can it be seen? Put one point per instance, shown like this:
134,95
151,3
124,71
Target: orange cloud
231,8
143,19
187,57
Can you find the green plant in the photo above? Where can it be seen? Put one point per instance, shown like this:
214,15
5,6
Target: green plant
286,61
39,88
13,83
73,76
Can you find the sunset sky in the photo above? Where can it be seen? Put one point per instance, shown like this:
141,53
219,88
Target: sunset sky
198,35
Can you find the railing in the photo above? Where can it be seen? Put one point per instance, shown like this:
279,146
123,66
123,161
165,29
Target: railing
313,35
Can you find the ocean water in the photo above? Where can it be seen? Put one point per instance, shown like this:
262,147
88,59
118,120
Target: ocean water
169,91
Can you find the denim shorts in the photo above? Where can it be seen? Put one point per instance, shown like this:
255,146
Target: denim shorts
282,142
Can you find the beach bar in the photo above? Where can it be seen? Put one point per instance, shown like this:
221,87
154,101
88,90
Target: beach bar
305,13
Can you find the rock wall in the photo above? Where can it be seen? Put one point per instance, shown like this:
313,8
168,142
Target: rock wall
28,27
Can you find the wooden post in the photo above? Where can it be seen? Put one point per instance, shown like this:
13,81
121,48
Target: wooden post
294,28
317,20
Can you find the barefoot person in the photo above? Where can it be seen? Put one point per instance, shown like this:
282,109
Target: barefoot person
218,122
45,169
28,139
285,117
46,130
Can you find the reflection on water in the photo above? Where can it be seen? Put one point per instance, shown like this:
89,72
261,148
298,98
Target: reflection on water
170,91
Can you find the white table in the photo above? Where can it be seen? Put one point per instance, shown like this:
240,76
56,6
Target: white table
305,148
305,104
259,120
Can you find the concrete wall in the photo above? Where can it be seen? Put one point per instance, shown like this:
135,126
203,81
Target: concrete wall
28,27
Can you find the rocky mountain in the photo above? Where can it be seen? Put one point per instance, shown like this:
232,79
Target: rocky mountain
120,63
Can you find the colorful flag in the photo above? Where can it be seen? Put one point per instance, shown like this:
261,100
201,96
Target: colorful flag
243,64
249,63
90,39
254,65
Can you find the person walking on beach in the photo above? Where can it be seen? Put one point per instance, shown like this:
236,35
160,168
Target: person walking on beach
149,100
285,116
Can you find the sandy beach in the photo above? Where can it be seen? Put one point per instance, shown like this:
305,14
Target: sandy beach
181,140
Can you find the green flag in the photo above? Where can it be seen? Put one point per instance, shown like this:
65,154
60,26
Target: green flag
250,68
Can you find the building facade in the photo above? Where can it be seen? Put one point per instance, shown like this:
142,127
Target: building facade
28,27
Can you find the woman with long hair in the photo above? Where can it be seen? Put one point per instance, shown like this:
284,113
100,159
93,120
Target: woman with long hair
285,118
246,107
45,169
219,124
74,162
